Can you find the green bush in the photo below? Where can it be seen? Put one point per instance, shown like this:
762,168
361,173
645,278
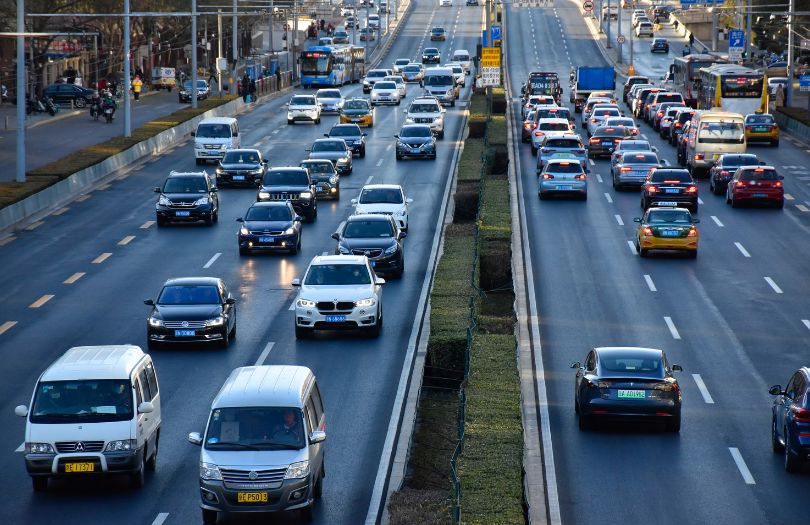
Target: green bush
498,101
497,131
466,201
469,164
478,105
495,236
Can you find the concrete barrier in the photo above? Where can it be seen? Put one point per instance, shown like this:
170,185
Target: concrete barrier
792,125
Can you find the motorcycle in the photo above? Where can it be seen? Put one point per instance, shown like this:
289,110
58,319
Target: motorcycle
50,106
95,110
35,107
109,114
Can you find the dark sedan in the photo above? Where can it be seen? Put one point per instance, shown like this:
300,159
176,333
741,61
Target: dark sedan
241,167
64,93
415,140
192,310
375,236
324,176
659,44
669,187
187,197
790,427
724,168
351,134
431,55
627,383
604,140
270,226
203,91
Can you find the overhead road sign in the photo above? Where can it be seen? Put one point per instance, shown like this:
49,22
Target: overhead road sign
736,45
533,3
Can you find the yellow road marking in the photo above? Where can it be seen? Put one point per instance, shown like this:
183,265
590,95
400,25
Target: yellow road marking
83,198
73,278
60,211
5,326
35,225
42,300
125,240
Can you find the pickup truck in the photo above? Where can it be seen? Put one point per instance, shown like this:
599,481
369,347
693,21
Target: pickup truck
586,80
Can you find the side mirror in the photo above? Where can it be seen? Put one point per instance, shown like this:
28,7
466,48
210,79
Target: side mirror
405,111
149,302
336,236
230,300
157,190
396,136
215,189
240,219
326,134
402,235
308,149
577,364
317,436
380,281
696,221
146,407
637,219
296,282
354,202
298,218
265,161
21,410
408,201
677,368
195,438
366,134
775,390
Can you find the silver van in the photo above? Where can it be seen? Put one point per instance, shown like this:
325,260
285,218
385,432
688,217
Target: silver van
263,448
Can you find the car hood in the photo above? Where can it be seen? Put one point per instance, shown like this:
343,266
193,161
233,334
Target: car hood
254,459
330,155
284,189
357,112
188,312
378,208
240,166
360,243
386,92
330,101
268,226
336,293
307,107
435,114
84,431
184,197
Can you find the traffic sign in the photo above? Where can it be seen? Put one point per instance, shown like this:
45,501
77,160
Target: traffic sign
736,44
804,82
587,5
491,76
491,57
496,32
620,39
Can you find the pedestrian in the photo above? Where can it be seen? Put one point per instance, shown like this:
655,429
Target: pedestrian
212,74
779,98
136,86
691,40
252,87
245,87
676,24
323,24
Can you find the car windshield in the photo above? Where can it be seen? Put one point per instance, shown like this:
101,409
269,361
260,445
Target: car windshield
286,178
415,132
357,229
385,85
329,145
620,122
458,70
564,167
201,84
337,275
302,101
563,143
269,213
189,294
82,401
185,185
424,108
411,69
439,80
381,196
759,174
316,168
241,157
377,74
214,131
640,158
759,119
437,31
461,58
721,133
431,51
554,126
328,93
552,113
668,216
345,131
356,104
246,428
676,176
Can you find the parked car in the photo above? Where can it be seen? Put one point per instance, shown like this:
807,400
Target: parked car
65,93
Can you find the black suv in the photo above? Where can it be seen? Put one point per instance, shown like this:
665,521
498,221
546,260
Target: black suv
604,140
669,187
375,236
203,90
270,226
324,176
187,197
242,167
290,184
431,55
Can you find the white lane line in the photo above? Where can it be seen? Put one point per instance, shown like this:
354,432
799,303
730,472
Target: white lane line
619,220
126,240
211,260
700,201
591,162
717,221
632,247
369,178
73,278
42,300
650,283
5,326
773,285
264,354
389,147
672,329
160,518
101,258
644,136
788,197
147,224
805,321
742,250
608,197
598,177
738,459
802,207
20,448
275,131
379,163
707,397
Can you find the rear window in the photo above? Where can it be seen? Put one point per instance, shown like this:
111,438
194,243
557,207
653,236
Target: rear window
658,216
621,366
609,132
553,126
606,112
739,160
676,175
564,167
640,158
759,175
759,119
670,97
563,143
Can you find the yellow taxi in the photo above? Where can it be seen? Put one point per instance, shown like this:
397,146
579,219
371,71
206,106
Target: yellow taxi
437,33
358,111
667,228
761,127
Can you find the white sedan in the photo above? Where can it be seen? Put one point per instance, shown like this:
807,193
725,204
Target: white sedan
385,92
445,3
384,198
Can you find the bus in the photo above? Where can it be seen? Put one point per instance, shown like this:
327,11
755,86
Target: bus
331,65
685,71
732,88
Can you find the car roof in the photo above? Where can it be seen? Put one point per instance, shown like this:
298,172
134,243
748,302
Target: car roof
330,139
381,187
285,168
338,259
373,217
275,385
218,120
271,204
553,121
243,150
634,351
188,174
94,362
416,126
194,281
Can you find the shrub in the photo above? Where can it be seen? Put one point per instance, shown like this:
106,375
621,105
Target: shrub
466,200
470,162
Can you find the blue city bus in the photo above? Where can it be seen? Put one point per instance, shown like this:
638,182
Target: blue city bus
331,65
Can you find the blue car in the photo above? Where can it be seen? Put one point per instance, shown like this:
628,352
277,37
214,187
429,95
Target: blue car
270,226
567,146
790,429
563,177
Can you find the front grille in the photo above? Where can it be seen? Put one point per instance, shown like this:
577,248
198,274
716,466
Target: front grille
188,324
423,120
260,477
328,306
283,196
368,253
173,204
267,233
212,146
64,447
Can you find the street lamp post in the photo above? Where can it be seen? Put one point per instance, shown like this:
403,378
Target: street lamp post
21,98
127,108
608,45
193,54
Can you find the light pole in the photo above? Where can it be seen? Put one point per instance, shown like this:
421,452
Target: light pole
219,49
232,89
748,32
193,54
21,98
127,109
608,45
619,31
789,94
713,11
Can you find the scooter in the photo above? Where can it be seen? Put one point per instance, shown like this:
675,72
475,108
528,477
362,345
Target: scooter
95,110
33,106
109,114
50,106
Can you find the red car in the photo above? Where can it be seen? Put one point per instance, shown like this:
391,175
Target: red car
756,184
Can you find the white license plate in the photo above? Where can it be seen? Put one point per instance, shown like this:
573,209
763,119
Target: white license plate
565,187
355,120
182,213
667,203
238,177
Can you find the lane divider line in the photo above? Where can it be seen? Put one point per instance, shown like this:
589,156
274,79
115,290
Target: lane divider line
742,250
211,260
160,518
369,179
5,326
73,278
738,459
707,397
591,162
672,329
598,177
7,240
264,354
42,300
60,211
632,247
717,221
608,197
650,283
788,197
806,323
126,240
619,220
292,306
379,163
773,285
101,258
147,224
801,207
34,226
325,253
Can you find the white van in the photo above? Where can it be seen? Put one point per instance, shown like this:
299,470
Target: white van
95,410
713,133
440,83
214,136
263,448
462,56
383,7
374,22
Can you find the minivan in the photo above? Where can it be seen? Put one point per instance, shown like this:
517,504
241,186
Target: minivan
263,447
715,133
214,136
95,410
462,56
441,83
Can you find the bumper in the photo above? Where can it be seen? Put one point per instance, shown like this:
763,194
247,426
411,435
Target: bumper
201,335
596,150
663,410
416,152
433,38
187,97
574,188
268,243
630,180
339,320
213,154
431,60
215,496
343,169
235,180
664,49
387,263
663,243
360,121
772,136
330,110
302,117
767,196
198,213
386,100
673,200
103,463
407,78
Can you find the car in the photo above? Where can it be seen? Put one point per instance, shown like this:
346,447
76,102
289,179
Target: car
537,100
355,139
549,127
637,103
338,292
667,228
270,226
203,90
387,199
401,86
632,81
303,108
462,56
358,111
659,45
790,422
775,69
292,184
604,140
600,113
325,41
192,310
438,33
527,129
385,92
431,55
756,184
331,101
65,93
471,2
566,147
637,18
630,144
214,136
334,149
775,82
399,64
587,107
458,72
373,76
683,140
375,236
341,37
669,187
627,383
350,22
633,168
427,110
413,73
241,167
324,176
445,3
187,197
367,34
725,167
417,141
761,127
682,116
666,120
374,22
656,100
625,122
661,111
552,111
610,11
562,177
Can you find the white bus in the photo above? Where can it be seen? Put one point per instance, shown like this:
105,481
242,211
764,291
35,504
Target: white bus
732,88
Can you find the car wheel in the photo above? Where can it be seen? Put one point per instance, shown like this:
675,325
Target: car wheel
151,463
40,483
311,217
643,252
398,156
433,157
613,181
302,333
317,490
441,134
209,516
80,102
209,220
198,161
233,330
294,249
290,122
225,342
336,195
453,104
216,215
152,345
792,461
734,202
781,204
583,197
534,150
775,143
585,422
137,478
318,120
776,445
542,196
693,254
363,152
161,222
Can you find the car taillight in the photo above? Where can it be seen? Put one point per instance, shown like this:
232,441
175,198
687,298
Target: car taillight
548,176
579,151
749,128
774,127
667,387
581,176
545,150
626,169
539,134
592,385
724,173
677,124
527,126
801,415
647,230
740,184
691,189
660,114
699,156
634,130
594,141
593,120
692,232
617,140
777,184
651,189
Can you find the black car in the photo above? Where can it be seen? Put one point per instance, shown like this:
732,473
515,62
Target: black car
472,2
681,118
64,93
635,384
659,44
431,55
203,90
192,310
187,197
324,176
604,140
669,187
270,226
290,184
790,427
241,167
725,167
351,134
416,140
375,236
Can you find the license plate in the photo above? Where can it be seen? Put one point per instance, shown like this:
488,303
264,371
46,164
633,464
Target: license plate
266,239
373,264
671,190
182,213
667,203
632,394
667,233
564,187
302,115
760,130
355,120
563,155
414,151
185,333
641,174
335,318
79,467
760,195
607,143
320,188
251,497
238,177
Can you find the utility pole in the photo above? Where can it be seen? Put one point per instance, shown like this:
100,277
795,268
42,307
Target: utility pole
219,49
714,28
368,29
270,29
608,45
21,98
193,54
790,53
235,53
127,108
619,31
748,32
294,41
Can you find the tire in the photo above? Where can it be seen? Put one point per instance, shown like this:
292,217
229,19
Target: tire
363,153
233,331
734,203
151,463
198,161
318,120
643,252
80,102
374,331
40,483
433,157
776,445
244,251
290,122
453,104
209,516
336,195
441,134
161,222
303,333
534,150
584,422
792,461
692,254
294,249
137,478
305,514
775,143
584,197
398,156
225,342
209,221
780,205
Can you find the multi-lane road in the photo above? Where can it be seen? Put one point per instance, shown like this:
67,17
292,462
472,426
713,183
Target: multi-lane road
79,277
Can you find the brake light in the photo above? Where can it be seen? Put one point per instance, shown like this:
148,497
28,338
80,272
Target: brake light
699,156
666,387
594,141
801,415
677,124
774,127
527,125
625,168
691,189
759,169
548,176
740,184
545,150
593,120
617,140
539,134
651,189
724,173
692,232
634,130
749,128
647,230
581,176
660,113
565,163
777,184
592,385
579,151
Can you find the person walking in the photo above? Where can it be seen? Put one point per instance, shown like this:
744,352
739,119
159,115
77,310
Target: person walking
252,88
245,87
691,40
136,86
779,97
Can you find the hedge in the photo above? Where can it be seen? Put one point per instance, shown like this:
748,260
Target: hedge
800,114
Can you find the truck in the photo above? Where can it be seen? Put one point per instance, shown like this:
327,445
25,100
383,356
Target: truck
163,78
586,80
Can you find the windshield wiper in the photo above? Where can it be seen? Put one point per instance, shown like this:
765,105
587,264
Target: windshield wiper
232,444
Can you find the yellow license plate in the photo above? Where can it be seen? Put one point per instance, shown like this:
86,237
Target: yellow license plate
251,497
79,467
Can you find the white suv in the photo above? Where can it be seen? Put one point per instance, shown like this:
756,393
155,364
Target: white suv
303,107
426,111
383,198
338,292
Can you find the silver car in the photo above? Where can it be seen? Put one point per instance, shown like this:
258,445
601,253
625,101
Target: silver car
633,168
335,150
630,145
555,147
562,177
399,64
331,101
413,73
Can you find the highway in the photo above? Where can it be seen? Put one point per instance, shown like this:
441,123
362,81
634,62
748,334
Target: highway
735,319
80,276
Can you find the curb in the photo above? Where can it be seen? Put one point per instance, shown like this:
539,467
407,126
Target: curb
53,119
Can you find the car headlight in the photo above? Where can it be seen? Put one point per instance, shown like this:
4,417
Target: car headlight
289,231
306,194
255,172
184,92
344,251
333,179
364,302
39,448
121,445
297,470
210,471
358,142
408,120
244,231
344,160
401,212
264,195
216,321
201,201
154,321
374,94
391,249
305,303
164,201
220,171
198,146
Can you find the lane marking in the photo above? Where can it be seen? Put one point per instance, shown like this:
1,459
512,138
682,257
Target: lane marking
60,211
717,221
324,253
126,240
211,260
801,207
619,220
160,518
83,198
34,226
104,187
644,136
20,448
369,179
788,196
632,247
389,147
379,163
707,397
292,306
806,323
147,224
592,163
155,158
742,250
7,240
609,199
73,278
672,329
5,326
42,300
264,354
773,285
275,131
738,459
650,283
137,168
101,258
700,201
598,177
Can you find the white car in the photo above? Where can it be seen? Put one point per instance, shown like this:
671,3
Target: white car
588,106
373,76
399,64
303,107
385,92
445,3
645,29
550,127
427,110
338,292
462,56
397,79
331,100
537,100
347,10
599,113
458,72
374,22
384,198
